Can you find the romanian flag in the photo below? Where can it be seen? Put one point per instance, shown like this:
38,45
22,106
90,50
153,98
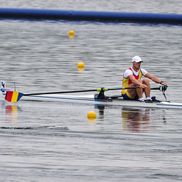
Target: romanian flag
13,96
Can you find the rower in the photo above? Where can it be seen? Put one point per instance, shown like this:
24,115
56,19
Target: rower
132,79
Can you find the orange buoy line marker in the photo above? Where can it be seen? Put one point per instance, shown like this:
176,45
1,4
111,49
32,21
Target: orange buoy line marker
71,34
81,65
91,115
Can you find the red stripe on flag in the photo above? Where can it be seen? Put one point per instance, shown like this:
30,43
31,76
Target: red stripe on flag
9,95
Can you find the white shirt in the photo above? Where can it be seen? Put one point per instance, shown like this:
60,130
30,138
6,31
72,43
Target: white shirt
130,72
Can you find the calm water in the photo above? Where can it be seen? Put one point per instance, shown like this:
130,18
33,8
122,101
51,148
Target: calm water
54,141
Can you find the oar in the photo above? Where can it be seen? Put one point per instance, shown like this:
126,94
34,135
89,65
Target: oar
15,96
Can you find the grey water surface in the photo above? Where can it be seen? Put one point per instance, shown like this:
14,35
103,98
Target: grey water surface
54,141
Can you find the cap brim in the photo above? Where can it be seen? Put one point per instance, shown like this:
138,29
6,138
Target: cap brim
137,61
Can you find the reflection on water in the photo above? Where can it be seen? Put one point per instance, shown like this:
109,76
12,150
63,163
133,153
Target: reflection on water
10,112
100,108
135,119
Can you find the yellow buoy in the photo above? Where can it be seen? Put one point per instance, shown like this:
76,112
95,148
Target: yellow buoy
71,34
91,115
81,65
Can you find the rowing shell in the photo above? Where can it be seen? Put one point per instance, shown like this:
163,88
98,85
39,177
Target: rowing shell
89,99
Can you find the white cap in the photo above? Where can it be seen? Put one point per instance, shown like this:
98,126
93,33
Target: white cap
136,59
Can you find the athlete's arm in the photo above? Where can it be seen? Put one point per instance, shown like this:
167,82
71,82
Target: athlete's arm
155,79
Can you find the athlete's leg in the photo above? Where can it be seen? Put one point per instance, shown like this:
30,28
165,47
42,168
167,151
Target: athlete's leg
135,93
139,91
147,89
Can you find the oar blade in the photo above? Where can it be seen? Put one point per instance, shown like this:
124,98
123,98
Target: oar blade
13,96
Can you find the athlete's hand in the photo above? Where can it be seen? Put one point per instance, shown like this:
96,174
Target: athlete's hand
163,83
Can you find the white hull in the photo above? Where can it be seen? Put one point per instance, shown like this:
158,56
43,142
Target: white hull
89,99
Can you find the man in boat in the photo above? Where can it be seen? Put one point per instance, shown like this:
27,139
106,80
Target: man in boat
132,78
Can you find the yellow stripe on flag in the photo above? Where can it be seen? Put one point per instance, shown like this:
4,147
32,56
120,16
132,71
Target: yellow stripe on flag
14,96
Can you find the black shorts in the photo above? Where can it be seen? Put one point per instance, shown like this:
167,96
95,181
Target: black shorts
125,97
